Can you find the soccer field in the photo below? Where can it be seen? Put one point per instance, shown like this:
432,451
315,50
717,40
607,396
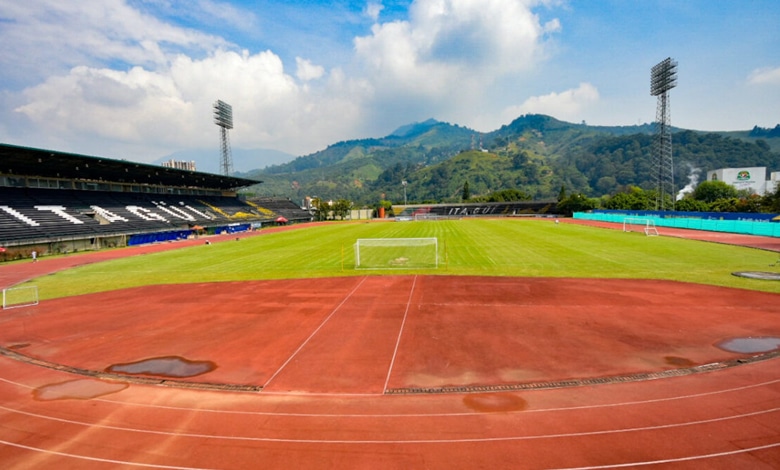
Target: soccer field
494,247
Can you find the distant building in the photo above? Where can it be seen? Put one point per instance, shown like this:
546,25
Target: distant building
751,179
180,165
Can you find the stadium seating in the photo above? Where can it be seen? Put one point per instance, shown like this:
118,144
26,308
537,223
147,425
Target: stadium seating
284,207
32,215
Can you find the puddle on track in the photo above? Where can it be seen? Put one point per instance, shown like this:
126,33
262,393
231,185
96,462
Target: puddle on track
168,366
750,345
81,389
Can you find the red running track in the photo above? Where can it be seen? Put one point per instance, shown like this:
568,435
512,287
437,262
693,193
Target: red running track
394,372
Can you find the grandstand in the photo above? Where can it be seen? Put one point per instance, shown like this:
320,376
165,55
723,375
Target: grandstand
59,202
474,209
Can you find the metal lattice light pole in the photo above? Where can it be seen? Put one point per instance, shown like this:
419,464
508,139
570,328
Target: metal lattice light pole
223,117
663,77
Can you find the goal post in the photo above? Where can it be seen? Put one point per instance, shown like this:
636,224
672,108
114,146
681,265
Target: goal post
24,296
397,253
635,224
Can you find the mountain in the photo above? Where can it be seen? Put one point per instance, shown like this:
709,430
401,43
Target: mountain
536,154
208,160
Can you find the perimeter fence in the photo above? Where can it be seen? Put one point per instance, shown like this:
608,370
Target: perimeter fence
765,228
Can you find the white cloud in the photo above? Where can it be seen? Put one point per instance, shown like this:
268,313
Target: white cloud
373,9
307,71
172,107
447,56
50,36
130,79
765,76
566,105
209,11
485,37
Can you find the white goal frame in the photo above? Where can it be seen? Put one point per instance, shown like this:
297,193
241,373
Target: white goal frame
24,296
396,244
647,225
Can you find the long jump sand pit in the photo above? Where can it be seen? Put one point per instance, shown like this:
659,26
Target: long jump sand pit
394,372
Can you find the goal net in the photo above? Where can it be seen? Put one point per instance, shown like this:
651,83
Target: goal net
631,224
396,253
20,296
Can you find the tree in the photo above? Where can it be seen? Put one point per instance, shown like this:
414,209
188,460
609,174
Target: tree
321,209
562,193
507,195
520,159
634,199
689,204
466,192
725,205
576,203
711,191
341,208
771,201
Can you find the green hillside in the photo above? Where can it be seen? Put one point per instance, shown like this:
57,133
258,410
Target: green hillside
535,154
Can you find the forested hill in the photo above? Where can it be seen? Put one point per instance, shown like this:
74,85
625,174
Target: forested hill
535,154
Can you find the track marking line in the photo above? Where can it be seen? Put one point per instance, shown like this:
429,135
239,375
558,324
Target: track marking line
679,459
566,435
95,459
693,396
314,333
400,332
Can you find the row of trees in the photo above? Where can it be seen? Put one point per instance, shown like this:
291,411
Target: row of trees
709,196
330,210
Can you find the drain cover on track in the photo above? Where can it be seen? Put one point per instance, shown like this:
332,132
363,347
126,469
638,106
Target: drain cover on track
766,276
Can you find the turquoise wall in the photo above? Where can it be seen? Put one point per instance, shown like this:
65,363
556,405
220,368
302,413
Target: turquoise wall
766,229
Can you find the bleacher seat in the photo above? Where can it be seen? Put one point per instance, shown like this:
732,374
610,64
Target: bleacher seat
35,215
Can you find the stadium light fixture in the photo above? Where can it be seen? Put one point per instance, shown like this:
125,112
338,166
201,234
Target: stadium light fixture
663,77
223,117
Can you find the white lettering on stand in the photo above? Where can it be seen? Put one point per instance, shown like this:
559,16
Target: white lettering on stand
108,215
145,214
60,211
18,215
174,211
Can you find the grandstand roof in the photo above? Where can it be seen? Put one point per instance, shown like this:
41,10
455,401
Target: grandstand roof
24,161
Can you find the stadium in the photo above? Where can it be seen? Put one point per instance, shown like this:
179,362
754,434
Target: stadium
166,322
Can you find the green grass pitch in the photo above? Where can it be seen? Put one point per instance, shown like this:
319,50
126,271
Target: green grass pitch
491,247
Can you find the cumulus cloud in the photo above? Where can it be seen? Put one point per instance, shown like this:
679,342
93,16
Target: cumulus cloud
447,49
567,105
373,9
122,75
447,39
308,71
172,107
50,36
765,76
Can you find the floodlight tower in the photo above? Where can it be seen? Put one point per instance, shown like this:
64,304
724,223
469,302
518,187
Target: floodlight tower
223,117
663,77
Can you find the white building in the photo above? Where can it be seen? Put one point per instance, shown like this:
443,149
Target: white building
752,179
773,182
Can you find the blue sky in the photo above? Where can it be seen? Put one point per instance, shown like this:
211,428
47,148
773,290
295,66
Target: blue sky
135,79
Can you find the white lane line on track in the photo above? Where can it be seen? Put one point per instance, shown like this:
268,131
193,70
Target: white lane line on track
427,415
633,464
400,332
679,459
378,441
96,459
292,356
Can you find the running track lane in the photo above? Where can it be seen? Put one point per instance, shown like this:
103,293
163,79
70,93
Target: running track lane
690,422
